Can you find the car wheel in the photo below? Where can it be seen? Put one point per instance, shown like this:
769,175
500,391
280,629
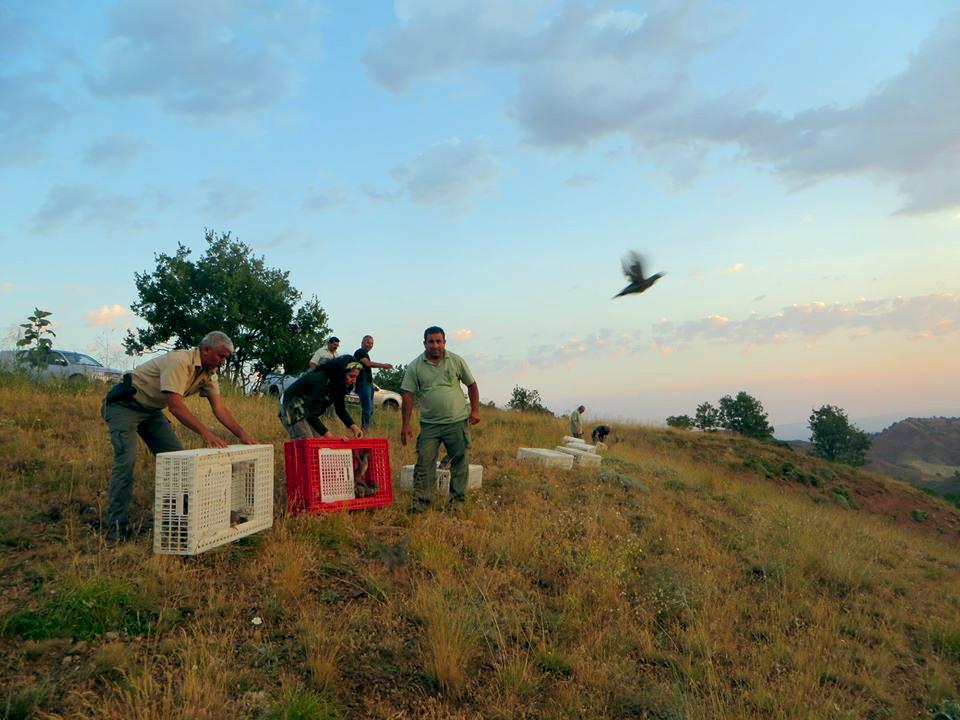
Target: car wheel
76,378
390,405
273,391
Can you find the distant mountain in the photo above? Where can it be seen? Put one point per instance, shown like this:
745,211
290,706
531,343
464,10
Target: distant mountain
922,451
869,423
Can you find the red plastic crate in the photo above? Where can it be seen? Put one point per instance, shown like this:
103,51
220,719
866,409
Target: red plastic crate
302,460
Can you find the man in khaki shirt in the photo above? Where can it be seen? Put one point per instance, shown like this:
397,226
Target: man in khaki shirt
135,407
435,378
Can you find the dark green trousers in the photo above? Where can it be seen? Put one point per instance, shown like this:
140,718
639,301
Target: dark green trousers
456,439
125,420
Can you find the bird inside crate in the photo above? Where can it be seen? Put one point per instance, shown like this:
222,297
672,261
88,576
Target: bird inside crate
364,484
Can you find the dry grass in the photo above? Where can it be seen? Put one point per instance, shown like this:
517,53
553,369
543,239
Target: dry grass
691,577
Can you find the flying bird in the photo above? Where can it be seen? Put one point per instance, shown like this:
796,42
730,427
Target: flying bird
633,269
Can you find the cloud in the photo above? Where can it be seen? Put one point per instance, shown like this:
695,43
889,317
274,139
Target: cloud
433,38
462,335
586,73
29,107
450,173
208,58
295,238
735,268
106,315
116,151
84,205
6,288
318,199
905,131
920,316
226,199
580,180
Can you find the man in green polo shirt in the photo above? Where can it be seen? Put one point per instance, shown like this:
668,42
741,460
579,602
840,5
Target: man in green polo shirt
434,377
135,407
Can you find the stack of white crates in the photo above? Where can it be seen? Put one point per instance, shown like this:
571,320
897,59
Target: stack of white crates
474,478
210,497
580,457
542,456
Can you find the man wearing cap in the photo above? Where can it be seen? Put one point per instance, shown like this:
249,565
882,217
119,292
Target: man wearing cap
435,377
135,407
325,354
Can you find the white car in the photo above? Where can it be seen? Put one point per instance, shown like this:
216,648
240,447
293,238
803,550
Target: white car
64,365
385,399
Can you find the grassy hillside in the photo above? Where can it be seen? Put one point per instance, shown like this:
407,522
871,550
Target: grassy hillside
923,451
690,576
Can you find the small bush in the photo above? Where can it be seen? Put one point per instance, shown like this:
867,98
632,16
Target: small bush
554,664
304,705
947,642
85,611
918,516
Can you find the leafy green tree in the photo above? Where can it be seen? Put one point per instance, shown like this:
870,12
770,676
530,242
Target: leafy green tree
744,414
390,379
707,417
834,438
683,422
526,400
231,290
39,347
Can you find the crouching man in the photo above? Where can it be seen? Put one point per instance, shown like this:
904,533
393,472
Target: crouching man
135,407
434,378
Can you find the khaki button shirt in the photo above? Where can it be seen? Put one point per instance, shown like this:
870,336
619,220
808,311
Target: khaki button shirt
179,371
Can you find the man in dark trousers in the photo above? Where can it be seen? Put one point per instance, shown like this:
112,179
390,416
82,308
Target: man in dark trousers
365,381
135,407
435,378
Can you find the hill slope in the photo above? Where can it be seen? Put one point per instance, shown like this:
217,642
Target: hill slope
923,451
691,576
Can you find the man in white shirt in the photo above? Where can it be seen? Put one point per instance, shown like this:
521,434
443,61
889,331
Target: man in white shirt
325,354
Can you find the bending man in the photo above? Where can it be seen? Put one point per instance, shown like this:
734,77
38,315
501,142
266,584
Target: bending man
135,407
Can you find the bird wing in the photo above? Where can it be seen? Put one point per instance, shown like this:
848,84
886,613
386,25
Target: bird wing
633,267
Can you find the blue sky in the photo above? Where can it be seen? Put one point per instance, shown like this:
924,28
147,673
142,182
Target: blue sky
484,166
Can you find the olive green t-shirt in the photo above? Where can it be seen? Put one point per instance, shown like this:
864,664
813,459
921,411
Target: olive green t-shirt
178,371
438,387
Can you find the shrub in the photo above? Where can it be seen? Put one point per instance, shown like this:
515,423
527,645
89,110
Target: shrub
683,422
834,438
85,611
744,414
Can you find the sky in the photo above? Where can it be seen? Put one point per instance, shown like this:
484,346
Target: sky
795,172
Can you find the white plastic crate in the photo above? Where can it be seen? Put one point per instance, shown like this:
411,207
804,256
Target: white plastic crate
474,478
543,456
579,456
210,497
336,475
580,445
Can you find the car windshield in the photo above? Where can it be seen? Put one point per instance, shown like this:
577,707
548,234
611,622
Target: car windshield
80,359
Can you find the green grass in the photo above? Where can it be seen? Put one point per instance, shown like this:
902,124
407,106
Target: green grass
84,611
691,575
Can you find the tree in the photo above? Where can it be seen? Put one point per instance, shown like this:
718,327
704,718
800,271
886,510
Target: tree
525,400
39,348
707,417
390,379
683,422
834,438
744,414
231,290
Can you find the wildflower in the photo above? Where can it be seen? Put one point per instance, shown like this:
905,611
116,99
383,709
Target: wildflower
257,621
